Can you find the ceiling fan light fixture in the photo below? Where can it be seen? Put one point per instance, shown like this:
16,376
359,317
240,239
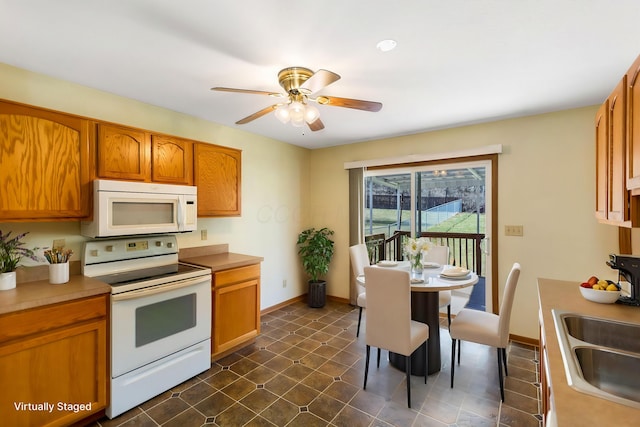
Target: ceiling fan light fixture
282,113
311,114
296,112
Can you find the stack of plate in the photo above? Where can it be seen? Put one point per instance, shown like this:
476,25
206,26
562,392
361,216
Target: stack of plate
386,263
455,273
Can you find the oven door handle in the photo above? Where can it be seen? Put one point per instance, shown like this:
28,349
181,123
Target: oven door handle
140,293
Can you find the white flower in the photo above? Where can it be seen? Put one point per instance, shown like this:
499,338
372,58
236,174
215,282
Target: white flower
417,246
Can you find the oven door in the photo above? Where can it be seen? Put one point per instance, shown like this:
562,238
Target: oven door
148,324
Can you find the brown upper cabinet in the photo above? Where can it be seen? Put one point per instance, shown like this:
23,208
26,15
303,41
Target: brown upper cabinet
614,156
45,164
633,127
123,153
49,159
172,160
217,173
137,155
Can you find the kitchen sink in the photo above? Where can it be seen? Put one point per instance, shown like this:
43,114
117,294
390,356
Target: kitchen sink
601,357
602,332
610,371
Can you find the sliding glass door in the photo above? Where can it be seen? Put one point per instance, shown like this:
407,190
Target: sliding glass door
448,203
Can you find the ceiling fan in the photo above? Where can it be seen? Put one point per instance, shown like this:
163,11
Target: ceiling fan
300,84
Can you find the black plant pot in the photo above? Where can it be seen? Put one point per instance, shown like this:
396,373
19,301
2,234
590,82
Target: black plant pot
317,294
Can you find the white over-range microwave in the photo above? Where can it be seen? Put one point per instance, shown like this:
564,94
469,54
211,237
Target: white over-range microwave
122,208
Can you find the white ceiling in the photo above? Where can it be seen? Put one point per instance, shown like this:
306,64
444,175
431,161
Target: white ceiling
457,61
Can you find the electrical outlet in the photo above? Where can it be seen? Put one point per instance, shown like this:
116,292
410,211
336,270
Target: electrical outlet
203,234
513,230
58,243
284,283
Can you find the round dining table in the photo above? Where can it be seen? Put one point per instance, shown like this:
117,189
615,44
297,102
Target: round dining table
425,288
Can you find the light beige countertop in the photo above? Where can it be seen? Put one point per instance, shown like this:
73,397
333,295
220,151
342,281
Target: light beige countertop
41,292
573,407
217,257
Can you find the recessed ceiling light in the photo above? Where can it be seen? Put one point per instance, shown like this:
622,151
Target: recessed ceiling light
386,45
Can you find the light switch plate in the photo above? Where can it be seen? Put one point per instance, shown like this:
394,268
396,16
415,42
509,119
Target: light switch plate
513,230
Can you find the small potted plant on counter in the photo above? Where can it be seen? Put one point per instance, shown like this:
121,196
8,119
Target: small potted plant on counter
12,251
316,250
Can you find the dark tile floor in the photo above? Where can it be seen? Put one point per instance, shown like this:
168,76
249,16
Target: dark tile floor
307,368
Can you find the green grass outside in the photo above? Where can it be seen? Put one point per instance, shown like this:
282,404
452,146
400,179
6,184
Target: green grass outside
459,223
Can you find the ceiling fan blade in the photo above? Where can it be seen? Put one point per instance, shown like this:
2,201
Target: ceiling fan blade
257,114
349,103
256,92
316,125
319,80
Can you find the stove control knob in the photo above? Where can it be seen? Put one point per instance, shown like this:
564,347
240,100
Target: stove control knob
169,245
109,248
94,252
159,243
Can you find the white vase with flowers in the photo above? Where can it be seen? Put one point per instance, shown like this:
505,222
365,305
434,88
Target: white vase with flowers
414,251
12,251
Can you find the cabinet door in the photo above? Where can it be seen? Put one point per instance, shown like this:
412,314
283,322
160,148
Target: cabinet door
218,178
172,160
123,153
236,307
55,354
633,126
45,167
618,196
602,160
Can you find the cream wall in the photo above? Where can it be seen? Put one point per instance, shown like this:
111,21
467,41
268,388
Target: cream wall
546,183
275,178
546,180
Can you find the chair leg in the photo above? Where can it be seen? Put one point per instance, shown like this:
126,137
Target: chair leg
408,368
426,361
453,359
504,361
459,350
500,362
366,367
449,315
378,358
359,321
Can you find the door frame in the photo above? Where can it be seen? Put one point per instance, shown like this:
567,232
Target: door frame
491,200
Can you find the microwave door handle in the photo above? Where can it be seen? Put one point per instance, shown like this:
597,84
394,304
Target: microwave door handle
180,213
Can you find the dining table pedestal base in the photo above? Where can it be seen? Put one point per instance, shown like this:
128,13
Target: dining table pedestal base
425,308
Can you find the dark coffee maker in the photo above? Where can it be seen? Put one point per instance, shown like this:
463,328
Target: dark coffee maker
629,267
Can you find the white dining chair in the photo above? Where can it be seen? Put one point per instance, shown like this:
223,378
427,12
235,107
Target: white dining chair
440,255
388,320
359,256
487,328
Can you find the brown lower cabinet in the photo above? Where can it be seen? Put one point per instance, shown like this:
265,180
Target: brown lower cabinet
53,363
236,308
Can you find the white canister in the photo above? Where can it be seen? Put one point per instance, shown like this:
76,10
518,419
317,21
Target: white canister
59,273
7,280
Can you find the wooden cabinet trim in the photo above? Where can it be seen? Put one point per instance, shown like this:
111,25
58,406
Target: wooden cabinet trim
24,323
235,275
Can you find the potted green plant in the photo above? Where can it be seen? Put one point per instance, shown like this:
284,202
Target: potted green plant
12,251
315,248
